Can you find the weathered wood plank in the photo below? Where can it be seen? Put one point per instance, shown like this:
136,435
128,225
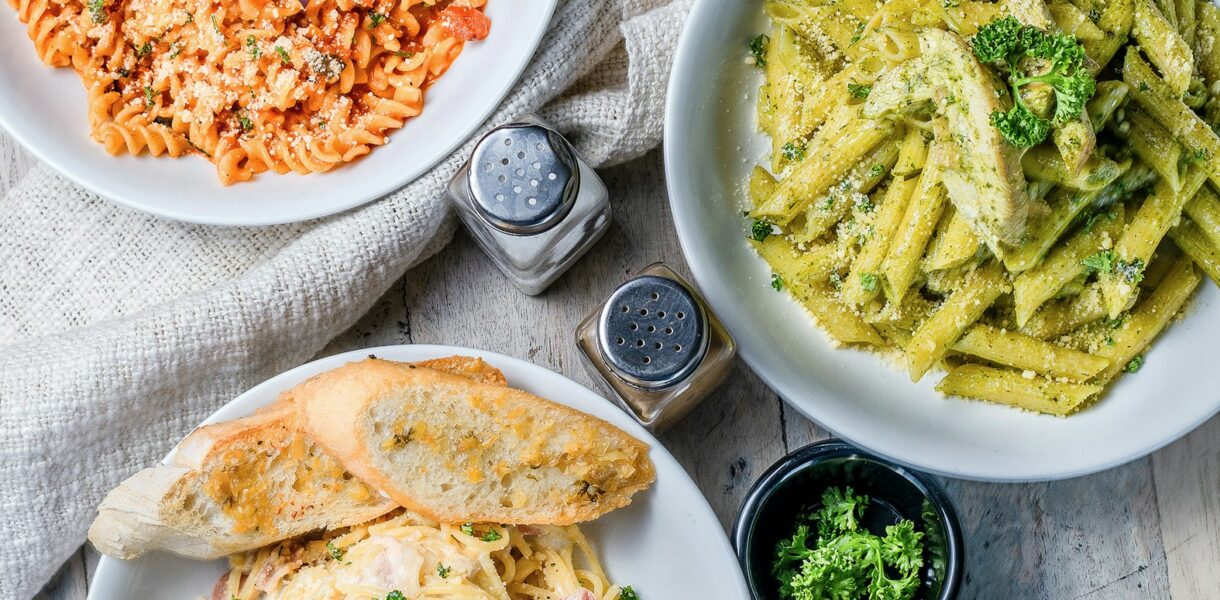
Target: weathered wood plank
14,162
1186,476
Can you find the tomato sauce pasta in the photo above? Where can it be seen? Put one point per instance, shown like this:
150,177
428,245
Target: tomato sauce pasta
252,85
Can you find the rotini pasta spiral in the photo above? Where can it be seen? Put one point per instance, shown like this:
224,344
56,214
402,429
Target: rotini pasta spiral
252,85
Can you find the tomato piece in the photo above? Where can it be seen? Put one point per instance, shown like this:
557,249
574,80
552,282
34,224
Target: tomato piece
466,23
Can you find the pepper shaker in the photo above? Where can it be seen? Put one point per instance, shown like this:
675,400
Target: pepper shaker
531,202
657,346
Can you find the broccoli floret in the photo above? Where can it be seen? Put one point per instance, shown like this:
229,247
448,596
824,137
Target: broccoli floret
1003,43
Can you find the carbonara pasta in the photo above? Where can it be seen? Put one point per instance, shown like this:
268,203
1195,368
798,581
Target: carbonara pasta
408,556
252,85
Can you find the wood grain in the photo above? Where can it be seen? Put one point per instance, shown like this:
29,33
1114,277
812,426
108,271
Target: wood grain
1149,529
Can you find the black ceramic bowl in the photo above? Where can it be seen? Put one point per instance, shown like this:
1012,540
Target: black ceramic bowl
795,484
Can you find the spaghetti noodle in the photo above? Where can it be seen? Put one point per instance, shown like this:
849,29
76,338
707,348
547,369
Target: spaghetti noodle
405,555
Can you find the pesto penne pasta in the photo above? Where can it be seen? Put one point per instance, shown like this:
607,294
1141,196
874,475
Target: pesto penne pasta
972,186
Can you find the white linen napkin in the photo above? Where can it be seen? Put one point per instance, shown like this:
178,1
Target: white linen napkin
120,331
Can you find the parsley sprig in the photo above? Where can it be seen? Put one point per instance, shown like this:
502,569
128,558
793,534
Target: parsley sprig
831,555
1003,43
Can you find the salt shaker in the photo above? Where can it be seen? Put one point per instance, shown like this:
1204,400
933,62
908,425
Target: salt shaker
531,202
657,346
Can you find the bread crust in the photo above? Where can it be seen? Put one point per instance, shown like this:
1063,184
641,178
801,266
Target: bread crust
151,511
336,410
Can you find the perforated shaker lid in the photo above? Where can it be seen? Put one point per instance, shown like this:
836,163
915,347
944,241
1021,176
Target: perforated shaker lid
523,178
653,332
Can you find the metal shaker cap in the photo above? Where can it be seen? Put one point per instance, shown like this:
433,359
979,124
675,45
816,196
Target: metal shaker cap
523,178
653,333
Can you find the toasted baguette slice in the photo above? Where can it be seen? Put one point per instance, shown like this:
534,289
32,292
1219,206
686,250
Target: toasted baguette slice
460,451
243,484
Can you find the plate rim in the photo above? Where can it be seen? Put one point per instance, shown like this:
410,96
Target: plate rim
511,366
11,123
714,286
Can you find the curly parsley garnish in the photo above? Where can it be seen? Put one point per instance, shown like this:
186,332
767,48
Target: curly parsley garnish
831,555
628,594
1002,43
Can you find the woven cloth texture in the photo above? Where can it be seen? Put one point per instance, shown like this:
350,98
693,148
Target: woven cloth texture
122,331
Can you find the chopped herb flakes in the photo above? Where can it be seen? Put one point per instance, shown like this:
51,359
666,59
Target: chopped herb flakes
1107,262
329,66
868,282
333,551
858,90
375,19
793,151
244,122
97,11
627,594
758,48
401,54
1102,262
467,528
175,49
491,535
395,595
252,47
283,54
760,230
777,282
144,50
442,570
148,96
1135,365
877,170
858,35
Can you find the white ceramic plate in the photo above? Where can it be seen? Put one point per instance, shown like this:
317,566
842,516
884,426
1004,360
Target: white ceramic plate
44,109
710,145
666,544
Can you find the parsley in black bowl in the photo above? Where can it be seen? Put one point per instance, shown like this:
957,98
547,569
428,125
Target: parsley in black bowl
832,521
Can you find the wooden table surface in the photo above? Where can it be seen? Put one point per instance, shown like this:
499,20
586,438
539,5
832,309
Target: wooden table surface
1149,529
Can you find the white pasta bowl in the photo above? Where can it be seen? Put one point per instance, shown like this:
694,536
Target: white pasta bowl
45,110
711,143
